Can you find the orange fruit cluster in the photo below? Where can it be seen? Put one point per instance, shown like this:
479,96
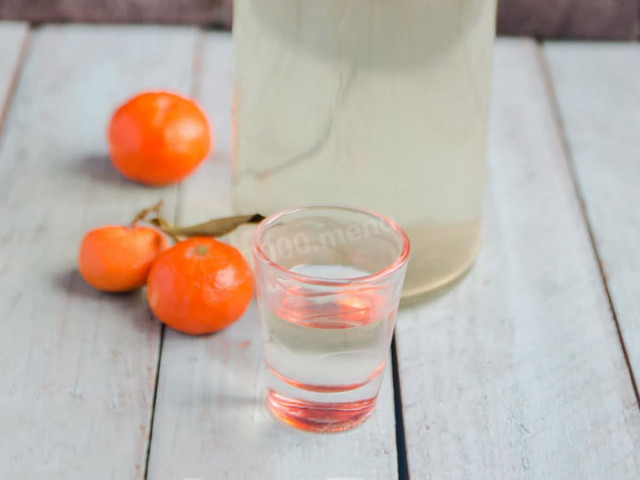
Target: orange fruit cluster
197,286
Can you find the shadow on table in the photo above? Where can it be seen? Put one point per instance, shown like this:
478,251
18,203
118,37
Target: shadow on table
99,168
72,283
128,305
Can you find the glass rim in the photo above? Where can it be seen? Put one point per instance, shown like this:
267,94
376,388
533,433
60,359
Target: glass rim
399,261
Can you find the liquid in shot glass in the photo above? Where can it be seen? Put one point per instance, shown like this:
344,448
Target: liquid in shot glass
329,280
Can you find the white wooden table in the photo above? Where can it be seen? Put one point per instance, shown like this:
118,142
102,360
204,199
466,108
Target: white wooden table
522,371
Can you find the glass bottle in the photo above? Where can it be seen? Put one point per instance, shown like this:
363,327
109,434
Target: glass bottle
373,103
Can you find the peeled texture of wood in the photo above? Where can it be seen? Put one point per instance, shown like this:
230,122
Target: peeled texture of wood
517,372
603,19
78,367
595,83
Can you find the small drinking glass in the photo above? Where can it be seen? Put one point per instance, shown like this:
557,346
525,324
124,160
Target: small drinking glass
329,280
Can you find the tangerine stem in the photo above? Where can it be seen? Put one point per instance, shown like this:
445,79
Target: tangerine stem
165,227
144,213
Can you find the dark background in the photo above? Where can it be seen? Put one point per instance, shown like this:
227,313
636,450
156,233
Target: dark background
585,19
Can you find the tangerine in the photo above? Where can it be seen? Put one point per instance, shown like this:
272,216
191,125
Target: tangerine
158,138
117,259
199,286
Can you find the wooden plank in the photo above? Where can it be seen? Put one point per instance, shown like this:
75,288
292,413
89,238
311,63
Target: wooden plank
78,367
598,95
210,420
12,39
517,372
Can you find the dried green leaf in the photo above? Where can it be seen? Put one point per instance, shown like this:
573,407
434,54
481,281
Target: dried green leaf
213,228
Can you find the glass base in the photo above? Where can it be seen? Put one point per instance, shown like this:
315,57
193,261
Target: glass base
321,409
319,416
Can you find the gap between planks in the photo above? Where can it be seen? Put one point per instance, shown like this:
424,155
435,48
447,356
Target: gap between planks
401,441
568,154
15,77
195,91
516,372
67,384
208,422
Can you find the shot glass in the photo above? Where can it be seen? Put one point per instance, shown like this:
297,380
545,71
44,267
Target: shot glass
329,280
